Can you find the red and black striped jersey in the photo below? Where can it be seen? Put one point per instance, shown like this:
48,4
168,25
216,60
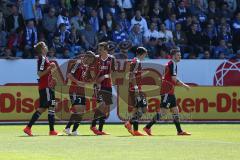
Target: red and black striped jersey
168,84
104,67
136,70
79,72
46,80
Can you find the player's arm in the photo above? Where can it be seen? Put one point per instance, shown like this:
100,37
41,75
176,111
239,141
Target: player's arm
42,70
173,72
100,79
132,78
113,65
180,83
72,78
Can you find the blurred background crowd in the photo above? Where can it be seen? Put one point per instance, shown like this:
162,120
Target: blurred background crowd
202,29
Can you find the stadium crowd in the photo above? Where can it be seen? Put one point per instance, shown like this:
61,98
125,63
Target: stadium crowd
203,29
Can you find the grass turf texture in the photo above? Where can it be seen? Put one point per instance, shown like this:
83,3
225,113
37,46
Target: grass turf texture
208,142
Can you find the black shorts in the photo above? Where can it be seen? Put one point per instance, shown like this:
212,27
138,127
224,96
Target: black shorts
168,101
47,98
105,95
138,101
77,99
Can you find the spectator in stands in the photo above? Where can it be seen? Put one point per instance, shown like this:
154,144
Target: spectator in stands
64,34
109,22
4,8
168,10
179,37
50,24
170,23
144,7
206,55
88,38
78,20
237,56
194,39
151,47
156,13
232,5
127,6
225,12
112,9
222,48
236,31
136,36
236,23
186,25
94,21
29,9
224,34
161,50
15,42
118,34
38,12
223,22
51,54
2,21
112,47
213,11
15,20
166,36
152,32
222,56
181,11
7,54
103,35
3,34
64,18
66,54
57,45
138,19
125,52
199,24
124,22
30,35
209,35
81,6
198,10
74,42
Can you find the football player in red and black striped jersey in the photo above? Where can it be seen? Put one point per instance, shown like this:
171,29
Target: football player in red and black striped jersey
46,85
137,98
105,66
168,99
79,75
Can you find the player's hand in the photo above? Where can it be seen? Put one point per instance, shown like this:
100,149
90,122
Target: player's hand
79,83
106,76
187,87
99,80
52,65
136,90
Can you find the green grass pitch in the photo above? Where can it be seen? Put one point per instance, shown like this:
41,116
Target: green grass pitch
208,142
